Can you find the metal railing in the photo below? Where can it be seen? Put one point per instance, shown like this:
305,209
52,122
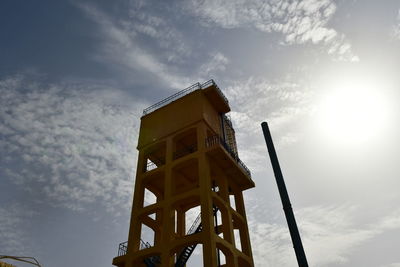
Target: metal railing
153,163
144,245
241,164
123,248
216,139
195,225
171,98
182,93
150,166
30,260
150,261
210,83
228,120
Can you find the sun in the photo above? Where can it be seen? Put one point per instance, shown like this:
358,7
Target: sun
353,110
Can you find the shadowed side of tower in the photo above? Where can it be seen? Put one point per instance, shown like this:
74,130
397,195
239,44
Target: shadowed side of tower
188,161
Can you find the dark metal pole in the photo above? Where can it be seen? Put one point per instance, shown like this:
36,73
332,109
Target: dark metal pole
287,207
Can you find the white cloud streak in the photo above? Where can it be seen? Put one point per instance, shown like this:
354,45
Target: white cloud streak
299,21
280,104
259,99
70,144
396,27
14,239
215,65
391,265
167,37
120,46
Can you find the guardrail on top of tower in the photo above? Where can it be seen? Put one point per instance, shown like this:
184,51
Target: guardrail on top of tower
182,93
210,83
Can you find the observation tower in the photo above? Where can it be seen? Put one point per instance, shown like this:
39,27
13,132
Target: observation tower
188,161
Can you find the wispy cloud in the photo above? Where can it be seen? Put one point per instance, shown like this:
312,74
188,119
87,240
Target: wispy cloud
396,27
120,46
169,41
282,104
164,57
299,21
14,239
72,144
395,264
330,235
216,64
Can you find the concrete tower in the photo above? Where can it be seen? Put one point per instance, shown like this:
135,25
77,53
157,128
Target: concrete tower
188,160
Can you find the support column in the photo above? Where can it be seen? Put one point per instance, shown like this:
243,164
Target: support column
227,217
209,247
244,231
137,205
168,211
180,222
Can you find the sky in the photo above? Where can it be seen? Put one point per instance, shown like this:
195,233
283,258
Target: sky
76,75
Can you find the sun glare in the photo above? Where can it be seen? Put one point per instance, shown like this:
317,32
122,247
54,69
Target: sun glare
352,111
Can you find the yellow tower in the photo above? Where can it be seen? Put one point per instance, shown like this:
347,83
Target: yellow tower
188,161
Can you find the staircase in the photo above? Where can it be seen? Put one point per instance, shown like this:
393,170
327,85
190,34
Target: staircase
152,261
230,135
187,252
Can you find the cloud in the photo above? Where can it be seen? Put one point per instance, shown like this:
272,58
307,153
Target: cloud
330,235
170,42
148,44
282,104
396,27
121,46
395,264
70,145
14,239
258,99
299,21
217,63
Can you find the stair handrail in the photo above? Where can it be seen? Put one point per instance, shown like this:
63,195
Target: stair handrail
181,260
144,245
197,221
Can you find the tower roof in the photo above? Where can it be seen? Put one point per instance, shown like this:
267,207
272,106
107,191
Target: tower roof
211,90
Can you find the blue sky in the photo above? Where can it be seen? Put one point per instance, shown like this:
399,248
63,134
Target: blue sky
76,75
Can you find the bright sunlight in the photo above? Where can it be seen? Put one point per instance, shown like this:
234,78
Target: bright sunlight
353,111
